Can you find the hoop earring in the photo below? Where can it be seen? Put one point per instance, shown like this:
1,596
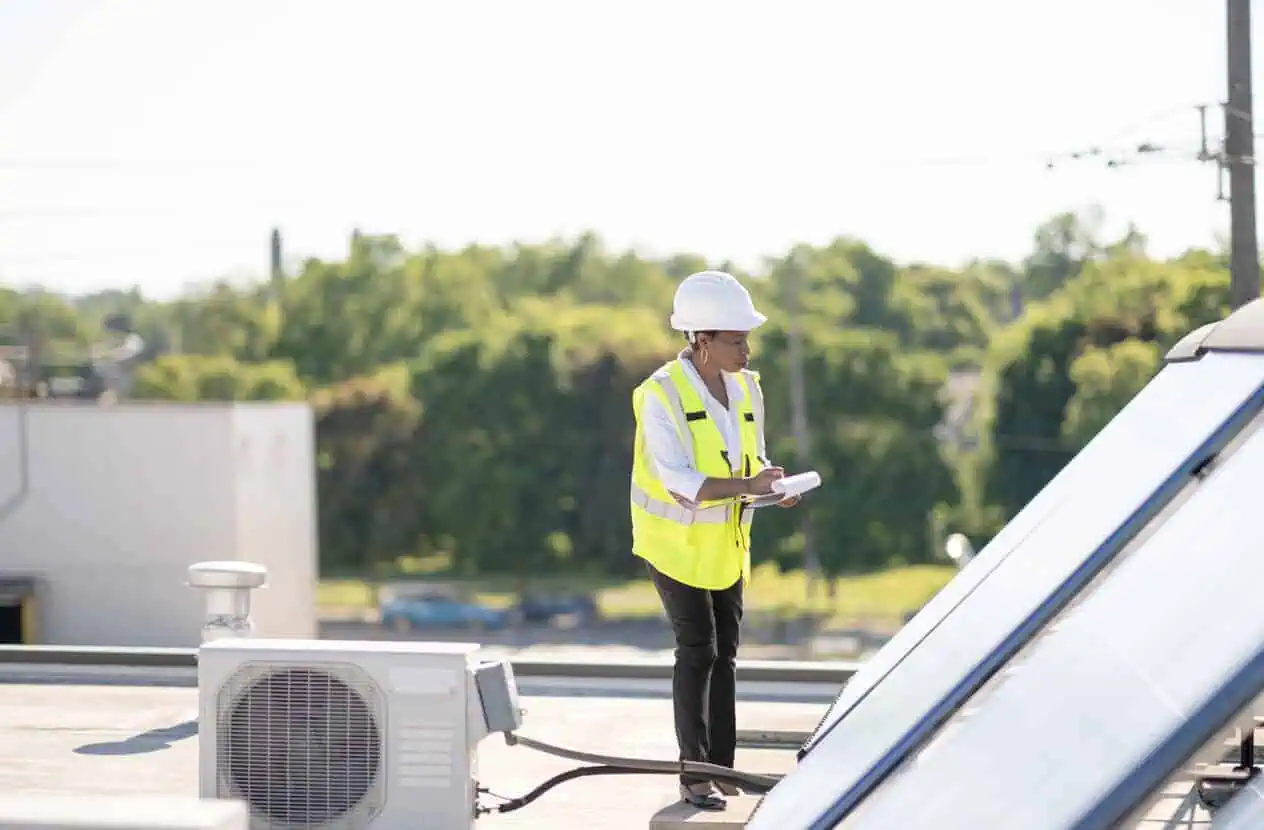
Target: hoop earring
706,356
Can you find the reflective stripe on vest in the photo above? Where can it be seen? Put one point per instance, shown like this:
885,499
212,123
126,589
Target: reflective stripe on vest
677,408
672,511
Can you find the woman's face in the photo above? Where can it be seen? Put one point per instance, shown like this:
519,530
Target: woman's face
726,350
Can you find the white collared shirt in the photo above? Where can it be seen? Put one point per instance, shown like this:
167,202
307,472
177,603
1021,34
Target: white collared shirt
662,440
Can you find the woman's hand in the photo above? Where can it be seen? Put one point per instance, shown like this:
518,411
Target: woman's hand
688,504
719,489
761,482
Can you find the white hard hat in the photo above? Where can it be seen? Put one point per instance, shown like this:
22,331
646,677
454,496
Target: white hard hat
714,301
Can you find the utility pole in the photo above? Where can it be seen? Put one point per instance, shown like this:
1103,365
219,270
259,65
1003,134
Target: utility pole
1239,152
275,273
793,285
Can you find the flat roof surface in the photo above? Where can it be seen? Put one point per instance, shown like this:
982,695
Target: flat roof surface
122,740
63,738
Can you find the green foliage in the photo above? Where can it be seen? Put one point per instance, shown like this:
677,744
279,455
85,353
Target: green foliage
1105,379
373,499
1058,374
216,378
473,407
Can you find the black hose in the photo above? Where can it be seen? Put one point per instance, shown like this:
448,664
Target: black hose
750,782
578,772
753,782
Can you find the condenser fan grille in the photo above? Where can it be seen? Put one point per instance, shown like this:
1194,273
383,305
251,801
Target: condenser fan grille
302,745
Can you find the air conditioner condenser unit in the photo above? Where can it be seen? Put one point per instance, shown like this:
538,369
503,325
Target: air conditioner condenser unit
349,735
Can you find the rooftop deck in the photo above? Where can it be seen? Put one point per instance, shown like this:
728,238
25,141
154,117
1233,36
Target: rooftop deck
90,738
116,739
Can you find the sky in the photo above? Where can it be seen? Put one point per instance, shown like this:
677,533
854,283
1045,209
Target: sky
156,143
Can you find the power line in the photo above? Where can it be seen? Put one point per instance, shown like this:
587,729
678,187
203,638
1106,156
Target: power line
1160,115
1134,154
964,160
1111,156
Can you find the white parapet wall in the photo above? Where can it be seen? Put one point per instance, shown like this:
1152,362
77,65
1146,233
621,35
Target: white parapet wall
96,812
120,812
115,502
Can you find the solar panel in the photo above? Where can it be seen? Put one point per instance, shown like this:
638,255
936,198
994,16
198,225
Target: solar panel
1073,528
1161,401
1127,686
1101,457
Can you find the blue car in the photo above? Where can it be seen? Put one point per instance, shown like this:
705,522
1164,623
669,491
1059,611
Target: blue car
546,609
409,613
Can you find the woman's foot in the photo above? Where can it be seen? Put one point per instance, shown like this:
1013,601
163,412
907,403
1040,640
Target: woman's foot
727,788
703,796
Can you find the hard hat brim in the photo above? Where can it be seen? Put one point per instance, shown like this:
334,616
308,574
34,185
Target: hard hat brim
749,322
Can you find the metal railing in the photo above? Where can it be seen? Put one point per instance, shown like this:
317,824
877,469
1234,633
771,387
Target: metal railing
765,671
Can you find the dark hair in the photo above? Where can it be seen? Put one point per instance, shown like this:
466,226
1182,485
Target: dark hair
710,333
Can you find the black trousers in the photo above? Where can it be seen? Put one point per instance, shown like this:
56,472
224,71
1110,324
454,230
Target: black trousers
704,679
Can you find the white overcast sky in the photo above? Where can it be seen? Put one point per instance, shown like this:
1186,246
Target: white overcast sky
155,142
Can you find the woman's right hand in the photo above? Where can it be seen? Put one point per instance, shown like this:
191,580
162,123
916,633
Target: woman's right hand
761,482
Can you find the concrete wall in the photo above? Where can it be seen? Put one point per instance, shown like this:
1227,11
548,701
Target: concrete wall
275,489
122,499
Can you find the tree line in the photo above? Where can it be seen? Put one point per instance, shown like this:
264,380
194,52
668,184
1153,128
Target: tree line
473,407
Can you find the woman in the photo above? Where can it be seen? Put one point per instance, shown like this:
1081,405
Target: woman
699,460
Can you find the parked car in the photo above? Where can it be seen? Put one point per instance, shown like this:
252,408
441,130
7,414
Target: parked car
433,611
545,609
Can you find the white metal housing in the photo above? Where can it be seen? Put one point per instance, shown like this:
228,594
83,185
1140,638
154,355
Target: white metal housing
106,507
344,735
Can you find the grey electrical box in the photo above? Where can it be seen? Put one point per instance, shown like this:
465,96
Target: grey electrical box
498,693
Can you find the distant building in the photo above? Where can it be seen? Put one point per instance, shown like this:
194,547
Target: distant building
959,396
103,509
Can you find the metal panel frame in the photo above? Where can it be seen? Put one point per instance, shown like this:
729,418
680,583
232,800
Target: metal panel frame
1241,331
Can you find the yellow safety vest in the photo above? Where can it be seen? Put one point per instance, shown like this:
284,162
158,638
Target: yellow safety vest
707,546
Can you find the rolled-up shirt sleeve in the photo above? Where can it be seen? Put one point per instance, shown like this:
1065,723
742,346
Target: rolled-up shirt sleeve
668,453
